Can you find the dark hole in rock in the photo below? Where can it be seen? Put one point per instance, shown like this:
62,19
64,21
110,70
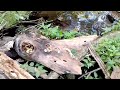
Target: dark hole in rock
9,32
64,60
12,71
110,18
12,54
47,69
47,45
27,23
54,60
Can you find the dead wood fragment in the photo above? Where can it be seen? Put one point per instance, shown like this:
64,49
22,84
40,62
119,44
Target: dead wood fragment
115,74
53,75
70,76
54,54
44,76
98,60
11,69
2,75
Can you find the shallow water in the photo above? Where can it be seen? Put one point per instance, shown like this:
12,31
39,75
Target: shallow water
88,22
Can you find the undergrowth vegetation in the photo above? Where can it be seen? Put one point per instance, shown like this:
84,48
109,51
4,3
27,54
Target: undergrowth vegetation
11,18
33,68
56,33
108,49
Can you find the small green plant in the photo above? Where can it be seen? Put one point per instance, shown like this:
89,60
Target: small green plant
34,69
55,32
11,18
95,76
71,34
88,62
109,51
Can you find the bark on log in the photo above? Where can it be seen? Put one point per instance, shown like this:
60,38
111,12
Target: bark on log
11,69
53,75
54,54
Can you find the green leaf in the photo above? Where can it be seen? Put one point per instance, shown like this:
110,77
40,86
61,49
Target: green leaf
12,18
31,69
40,67
85,60
37,74
113,47
111,62
108,67
37,65
90,77
32,64
117,54
95,75
18,17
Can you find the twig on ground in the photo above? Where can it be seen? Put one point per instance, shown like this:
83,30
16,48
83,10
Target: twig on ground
61,77
98,60
95,70
32,21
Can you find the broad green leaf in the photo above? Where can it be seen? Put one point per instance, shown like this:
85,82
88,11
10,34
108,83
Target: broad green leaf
37,74
31,69
32,64
37,65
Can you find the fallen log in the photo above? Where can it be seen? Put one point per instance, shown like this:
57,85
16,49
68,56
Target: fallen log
54,54
11,68
53,75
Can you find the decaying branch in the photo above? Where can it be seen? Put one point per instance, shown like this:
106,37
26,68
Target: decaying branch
115,73
98,60
54,54
11,69
53,75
